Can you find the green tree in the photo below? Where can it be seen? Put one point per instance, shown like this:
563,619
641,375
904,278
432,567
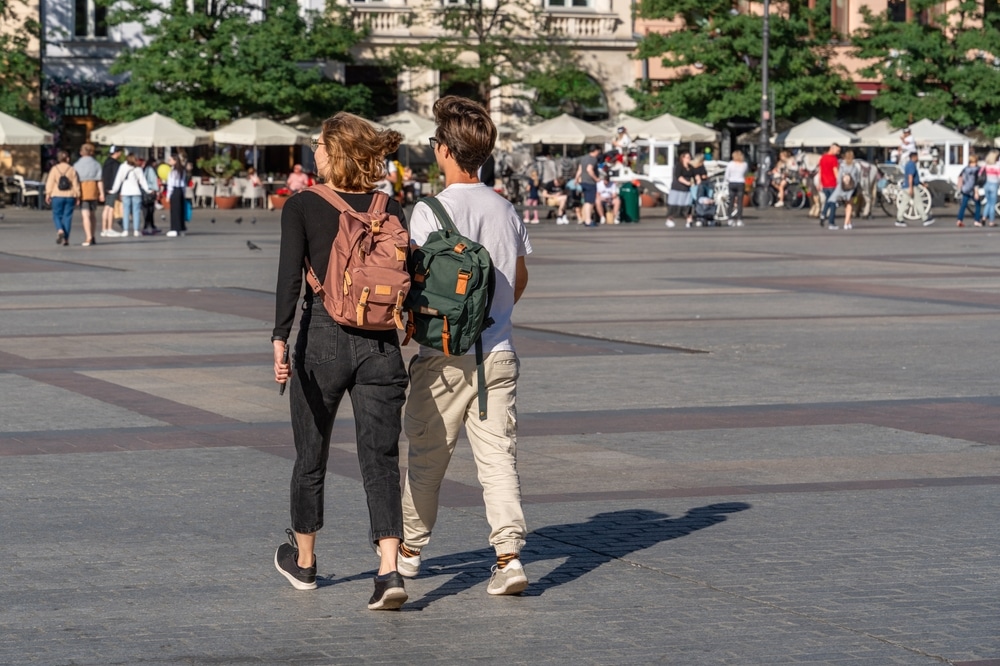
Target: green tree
718,53
231,58
507,49
947,69
19,69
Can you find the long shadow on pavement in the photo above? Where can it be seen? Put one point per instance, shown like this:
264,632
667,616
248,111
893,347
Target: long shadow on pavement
584,547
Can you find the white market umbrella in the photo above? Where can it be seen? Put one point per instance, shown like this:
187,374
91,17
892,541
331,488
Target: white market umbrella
926,132
815,133
878,134
100,135
154,131
566,130
671,128
15,132
259,132
416,129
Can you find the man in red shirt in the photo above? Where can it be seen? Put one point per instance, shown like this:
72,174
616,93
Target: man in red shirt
829,173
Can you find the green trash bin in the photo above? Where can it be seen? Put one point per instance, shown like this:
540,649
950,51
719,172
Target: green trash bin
629,194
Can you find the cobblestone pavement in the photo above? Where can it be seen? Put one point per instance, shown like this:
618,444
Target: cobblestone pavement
767,445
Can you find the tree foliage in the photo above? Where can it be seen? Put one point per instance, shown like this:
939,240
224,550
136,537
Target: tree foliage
947,69
506,49
718,54
20,70
231,58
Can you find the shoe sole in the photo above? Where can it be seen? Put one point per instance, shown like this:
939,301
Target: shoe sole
296,583
392,599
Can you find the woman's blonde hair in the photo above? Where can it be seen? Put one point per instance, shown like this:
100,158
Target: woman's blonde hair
992,157
698,159
356,152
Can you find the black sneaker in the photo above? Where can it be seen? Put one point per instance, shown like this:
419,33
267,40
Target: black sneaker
286,562
389,592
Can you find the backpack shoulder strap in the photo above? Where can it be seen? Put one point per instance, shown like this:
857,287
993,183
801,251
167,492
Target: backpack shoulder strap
331,197
380,203
441,214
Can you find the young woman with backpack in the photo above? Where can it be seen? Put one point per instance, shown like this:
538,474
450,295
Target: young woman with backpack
62,189
332,359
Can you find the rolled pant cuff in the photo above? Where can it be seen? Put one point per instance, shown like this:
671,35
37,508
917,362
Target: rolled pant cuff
308,530
509,548
387,534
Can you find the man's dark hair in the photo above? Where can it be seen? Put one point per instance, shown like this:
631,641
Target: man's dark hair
466,128
592,147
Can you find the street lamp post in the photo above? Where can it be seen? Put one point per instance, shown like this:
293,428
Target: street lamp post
763,152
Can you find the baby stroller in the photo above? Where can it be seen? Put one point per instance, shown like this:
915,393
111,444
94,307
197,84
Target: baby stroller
704,205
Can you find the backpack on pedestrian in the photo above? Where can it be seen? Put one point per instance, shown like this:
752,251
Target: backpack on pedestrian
64,182
981,178
449,302
367,278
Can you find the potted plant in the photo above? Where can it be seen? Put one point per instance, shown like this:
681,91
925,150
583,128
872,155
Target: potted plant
224,168
279,198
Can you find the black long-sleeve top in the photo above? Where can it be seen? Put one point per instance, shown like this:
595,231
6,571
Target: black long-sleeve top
308,226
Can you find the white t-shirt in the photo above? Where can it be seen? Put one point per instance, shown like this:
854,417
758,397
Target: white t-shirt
482,215
736,172
908,145
607,191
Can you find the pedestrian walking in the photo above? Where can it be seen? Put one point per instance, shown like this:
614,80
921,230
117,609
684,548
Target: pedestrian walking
151,200
444,389
849,175
679,197
829,176
586,178
176,186
109,171
992,170
332,359
969,191
62,189
736,180
130,184
90,173
531,202
908,194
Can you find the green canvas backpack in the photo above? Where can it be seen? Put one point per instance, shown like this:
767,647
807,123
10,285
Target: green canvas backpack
451,289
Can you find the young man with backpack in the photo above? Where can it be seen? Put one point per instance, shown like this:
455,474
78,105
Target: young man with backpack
444,388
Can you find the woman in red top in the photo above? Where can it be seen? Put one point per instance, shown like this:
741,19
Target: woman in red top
829,168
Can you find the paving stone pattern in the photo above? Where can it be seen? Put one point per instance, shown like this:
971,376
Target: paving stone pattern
767,445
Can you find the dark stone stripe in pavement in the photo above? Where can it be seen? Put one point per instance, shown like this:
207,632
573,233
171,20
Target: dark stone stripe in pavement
12,363
972,419
766,489
157,408
239,302
831,285
10,263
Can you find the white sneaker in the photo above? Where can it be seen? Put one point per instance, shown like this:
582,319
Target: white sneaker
562,219
408,566
171,234
136,233
670,223
848,227
509,580
780,204
687,225
739,223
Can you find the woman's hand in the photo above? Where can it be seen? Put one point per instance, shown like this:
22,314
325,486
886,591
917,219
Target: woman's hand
281,366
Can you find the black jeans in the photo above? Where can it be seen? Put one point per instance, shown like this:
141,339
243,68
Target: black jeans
329,360
177,210
736,192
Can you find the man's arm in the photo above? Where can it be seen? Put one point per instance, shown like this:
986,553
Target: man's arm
591,172
520,278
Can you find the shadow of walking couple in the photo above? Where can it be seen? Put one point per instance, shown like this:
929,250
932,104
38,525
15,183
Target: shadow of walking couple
583,546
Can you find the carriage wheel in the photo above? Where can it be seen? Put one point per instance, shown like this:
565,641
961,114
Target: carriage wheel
920,206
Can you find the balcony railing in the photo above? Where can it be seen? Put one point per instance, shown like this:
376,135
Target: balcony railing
396,21
383,21
582,25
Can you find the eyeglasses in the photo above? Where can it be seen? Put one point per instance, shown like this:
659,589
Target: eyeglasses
314,144
434,142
